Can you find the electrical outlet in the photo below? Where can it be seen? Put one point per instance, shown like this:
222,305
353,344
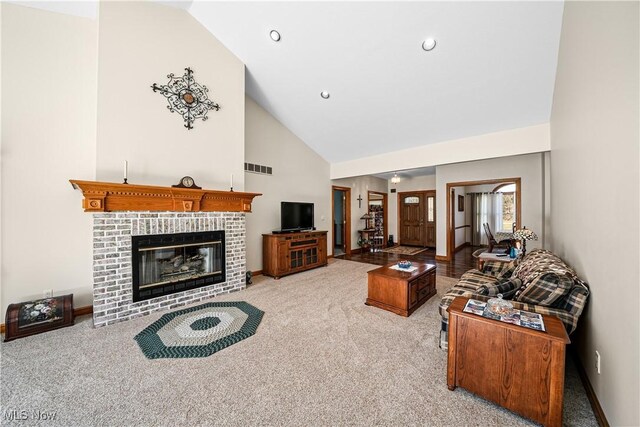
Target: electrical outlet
597,362
47,293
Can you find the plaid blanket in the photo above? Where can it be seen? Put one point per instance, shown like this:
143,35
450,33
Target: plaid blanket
499,268
528,280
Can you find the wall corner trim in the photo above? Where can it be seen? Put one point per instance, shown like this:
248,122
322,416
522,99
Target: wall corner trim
588,388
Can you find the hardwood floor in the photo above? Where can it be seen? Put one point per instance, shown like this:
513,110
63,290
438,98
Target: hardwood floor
462,260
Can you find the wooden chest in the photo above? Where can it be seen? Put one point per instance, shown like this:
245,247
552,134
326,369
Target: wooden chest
518,368
34,317
401,292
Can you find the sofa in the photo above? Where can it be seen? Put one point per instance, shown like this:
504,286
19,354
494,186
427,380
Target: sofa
540,282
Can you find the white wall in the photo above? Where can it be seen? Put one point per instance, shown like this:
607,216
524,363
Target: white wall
299,175
530,139
49,66
527,167
418,183
360,186
140,43
594,191
460,217
468,216
546,177
482,188
1,151
68,115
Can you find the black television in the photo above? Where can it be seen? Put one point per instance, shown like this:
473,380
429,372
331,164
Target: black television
296,216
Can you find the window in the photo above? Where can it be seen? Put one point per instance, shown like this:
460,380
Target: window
508,191
431,209
412,200
509,187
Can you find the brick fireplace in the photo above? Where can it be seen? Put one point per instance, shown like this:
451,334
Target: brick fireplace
112,263
164,219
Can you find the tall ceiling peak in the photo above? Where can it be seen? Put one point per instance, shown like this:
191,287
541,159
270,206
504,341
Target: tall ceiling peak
492,68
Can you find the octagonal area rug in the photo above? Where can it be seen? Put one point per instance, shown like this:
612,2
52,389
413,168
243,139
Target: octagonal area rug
199,331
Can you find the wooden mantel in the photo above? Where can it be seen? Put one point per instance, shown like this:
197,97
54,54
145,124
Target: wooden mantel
110,197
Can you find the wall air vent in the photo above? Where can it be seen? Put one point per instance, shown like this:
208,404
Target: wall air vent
264,170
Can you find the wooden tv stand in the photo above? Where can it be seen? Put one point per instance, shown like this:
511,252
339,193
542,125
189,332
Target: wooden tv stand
289,253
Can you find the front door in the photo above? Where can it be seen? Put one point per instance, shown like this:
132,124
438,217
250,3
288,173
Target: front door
412,219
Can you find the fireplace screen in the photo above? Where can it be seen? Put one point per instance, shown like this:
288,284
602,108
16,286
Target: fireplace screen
168,263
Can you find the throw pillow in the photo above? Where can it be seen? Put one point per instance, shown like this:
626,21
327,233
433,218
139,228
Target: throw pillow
493,268
507,287
482,290
510,293
473,279
508,269
545,290
499,269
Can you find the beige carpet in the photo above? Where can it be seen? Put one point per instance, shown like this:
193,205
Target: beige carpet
404,250
320,357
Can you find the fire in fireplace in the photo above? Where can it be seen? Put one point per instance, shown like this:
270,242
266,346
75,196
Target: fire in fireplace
164,264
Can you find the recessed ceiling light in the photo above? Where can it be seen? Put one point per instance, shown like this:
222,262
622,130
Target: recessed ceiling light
429,44
325,94
275,36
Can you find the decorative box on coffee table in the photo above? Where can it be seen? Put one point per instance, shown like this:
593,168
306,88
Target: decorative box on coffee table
33,317
401,292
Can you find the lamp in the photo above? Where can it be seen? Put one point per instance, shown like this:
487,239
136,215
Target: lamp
366,218
395,178
523,235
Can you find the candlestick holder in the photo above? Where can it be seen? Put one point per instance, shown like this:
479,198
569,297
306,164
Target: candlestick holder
231,189
125,181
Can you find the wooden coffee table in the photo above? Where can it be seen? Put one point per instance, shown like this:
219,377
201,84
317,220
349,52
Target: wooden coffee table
518,368
401,292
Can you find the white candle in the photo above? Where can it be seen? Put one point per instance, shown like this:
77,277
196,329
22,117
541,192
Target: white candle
231,180
125,169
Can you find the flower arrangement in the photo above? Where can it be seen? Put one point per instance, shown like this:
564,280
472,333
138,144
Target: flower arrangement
404,264
364,242
44,310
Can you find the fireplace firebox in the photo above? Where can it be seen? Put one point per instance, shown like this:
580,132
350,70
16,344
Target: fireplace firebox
164,264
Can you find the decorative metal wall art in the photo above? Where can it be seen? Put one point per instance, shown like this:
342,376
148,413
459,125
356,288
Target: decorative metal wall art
186,97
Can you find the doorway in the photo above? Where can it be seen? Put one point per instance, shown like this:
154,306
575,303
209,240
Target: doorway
417,218
470,188
377,203
341,220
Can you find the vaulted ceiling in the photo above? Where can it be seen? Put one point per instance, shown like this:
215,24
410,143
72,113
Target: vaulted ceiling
493,68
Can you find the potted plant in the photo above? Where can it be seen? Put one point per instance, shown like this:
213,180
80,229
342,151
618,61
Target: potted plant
365,244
